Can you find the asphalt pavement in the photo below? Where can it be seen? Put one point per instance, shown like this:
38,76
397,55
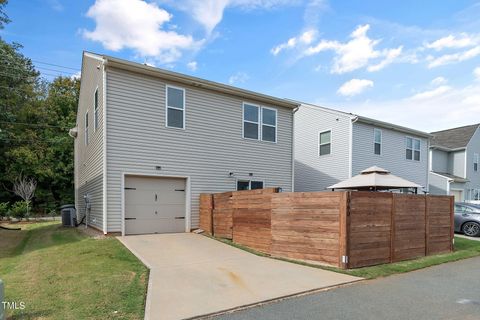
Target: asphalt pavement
447,291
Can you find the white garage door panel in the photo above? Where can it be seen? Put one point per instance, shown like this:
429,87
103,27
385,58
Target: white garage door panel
154,205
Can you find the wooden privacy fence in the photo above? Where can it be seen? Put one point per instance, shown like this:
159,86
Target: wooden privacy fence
343,229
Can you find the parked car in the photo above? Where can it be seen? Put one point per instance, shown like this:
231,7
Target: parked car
467,219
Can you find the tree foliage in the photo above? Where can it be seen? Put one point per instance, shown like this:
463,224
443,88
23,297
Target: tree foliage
35,116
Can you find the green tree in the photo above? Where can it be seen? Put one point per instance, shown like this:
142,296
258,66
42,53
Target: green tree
3,16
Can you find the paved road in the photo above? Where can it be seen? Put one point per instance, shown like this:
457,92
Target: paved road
448,291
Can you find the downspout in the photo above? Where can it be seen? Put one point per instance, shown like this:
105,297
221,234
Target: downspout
104,147
293,147
429,167
350,149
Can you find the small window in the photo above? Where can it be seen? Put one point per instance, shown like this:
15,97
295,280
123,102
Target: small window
249,185
475,162
377,141
95,110
269,125
412,149
86,128
175,117
325,143
250,121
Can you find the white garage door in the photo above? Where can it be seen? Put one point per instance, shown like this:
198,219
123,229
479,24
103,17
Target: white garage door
154,205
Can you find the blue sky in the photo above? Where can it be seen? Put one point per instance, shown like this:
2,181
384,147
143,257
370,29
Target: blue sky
416,64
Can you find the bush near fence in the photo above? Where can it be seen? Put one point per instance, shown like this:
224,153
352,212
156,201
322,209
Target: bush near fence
344,229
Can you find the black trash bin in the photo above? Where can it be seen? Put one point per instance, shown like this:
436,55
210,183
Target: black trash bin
69,215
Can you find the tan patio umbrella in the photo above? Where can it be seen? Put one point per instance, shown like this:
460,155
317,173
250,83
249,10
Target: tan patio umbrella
375,179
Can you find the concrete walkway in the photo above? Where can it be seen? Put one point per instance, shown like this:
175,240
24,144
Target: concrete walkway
192,275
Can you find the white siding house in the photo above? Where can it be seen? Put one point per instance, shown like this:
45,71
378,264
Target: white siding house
352,143
163,138
454,167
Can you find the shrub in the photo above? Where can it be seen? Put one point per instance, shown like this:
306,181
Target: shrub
19,209
3,210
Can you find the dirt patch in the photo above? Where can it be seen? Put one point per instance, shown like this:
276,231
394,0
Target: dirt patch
91,232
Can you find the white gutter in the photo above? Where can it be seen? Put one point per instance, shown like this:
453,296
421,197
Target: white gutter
350,149
293,147
104,142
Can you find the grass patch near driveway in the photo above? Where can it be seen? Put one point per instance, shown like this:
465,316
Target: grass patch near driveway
464,248
60,273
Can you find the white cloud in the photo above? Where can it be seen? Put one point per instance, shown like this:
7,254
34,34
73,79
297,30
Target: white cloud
76,75
438,81
239,77
476,73
429,94
390,56
305,38
454,57
192,65
439,111
209,13
56,5
451,41
354,87
356,53
137,25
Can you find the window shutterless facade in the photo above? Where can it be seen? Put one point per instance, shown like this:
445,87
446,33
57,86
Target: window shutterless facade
412,150
377,141
325,143
95,110
259,123
175,107
475,162
86,128
249,185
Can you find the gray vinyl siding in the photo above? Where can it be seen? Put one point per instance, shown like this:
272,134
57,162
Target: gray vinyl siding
392,156
474,176
208,149
437,184
439,161
456,163
312,171
89,159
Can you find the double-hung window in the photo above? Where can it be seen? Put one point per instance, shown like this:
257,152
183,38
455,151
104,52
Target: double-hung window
412,151
86,128
259,123
249,185
377,141
175,108
325,143
95,110
475,162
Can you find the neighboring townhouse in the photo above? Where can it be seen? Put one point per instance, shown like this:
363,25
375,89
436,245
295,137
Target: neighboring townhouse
148,142
454,165
332,146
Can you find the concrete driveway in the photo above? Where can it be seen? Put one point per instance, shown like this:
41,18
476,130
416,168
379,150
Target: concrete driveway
192,275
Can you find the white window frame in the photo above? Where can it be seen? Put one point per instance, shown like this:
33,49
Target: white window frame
319,144
375,142
475,162
95,110
268,125
175,108
413,149
86,125
249,183
258,123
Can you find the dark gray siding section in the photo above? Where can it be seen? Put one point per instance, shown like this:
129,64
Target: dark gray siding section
392,157
474,176
89,158
439,161
208,149
312,171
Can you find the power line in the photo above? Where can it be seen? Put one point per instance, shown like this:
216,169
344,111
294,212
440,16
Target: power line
55,65
40,67
34,124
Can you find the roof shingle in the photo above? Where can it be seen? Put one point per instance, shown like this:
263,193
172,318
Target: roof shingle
454,138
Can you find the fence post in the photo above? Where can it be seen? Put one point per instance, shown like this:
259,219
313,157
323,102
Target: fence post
392,229
343,252
427,223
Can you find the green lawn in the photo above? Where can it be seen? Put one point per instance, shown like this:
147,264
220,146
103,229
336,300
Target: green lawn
464,248
61,273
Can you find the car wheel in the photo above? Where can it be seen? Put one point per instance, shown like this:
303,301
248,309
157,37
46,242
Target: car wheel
471,229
